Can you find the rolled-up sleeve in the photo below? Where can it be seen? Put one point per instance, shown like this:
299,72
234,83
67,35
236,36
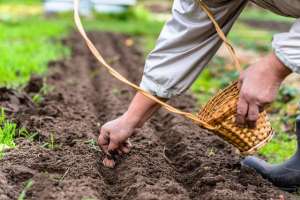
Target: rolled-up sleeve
287,47
186,44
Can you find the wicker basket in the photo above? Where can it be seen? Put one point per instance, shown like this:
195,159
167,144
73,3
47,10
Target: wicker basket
220,113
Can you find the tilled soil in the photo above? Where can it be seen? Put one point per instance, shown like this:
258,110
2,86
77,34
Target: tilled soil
171,159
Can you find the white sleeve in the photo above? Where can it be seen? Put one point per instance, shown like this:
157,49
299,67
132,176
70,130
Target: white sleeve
287,47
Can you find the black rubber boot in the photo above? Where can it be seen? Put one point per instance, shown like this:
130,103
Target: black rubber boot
286,175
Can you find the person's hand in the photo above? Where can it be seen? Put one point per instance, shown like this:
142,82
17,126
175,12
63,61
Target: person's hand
113,139
259,85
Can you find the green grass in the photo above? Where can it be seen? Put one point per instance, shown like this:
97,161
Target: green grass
7,133
281,147
25,2
283,116
248,37
29,43
27,46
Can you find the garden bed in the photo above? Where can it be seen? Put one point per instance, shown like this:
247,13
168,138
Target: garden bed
172,158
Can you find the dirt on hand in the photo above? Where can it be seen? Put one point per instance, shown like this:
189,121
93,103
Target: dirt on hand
172,158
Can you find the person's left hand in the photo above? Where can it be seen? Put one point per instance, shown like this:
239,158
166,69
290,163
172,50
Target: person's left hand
259,86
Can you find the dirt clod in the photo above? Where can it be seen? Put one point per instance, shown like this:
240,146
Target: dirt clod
13,101
34,85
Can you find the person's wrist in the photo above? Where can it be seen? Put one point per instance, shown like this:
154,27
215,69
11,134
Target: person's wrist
129,120
280,70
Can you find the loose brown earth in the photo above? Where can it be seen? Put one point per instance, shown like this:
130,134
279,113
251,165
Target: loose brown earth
172,158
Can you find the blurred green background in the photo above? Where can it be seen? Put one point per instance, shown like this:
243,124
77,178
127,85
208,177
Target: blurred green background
30,39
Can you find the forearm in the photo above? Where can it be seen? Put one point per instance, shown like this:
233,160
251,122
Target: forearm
140,110
275,64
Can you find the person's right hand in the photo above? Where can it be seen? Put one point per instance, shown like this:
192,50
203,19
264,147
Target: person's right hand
259,85
113,139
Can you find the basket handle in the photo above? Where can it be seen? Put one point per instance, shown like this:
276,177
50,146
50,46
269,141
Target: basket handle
120,77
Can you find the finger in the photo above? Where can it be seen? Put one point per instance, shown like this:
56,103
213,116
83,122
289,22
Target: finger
252,115
109,163
103,137
128,144
112,150
122,149
242,109
103,140
113,146
104,148
119,151
125,150
126,147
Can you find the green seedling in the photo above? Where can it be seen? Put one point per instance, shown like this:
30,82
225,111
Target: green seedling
92,144
115,92
28,185
51,143
39,97
46,89
22,132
